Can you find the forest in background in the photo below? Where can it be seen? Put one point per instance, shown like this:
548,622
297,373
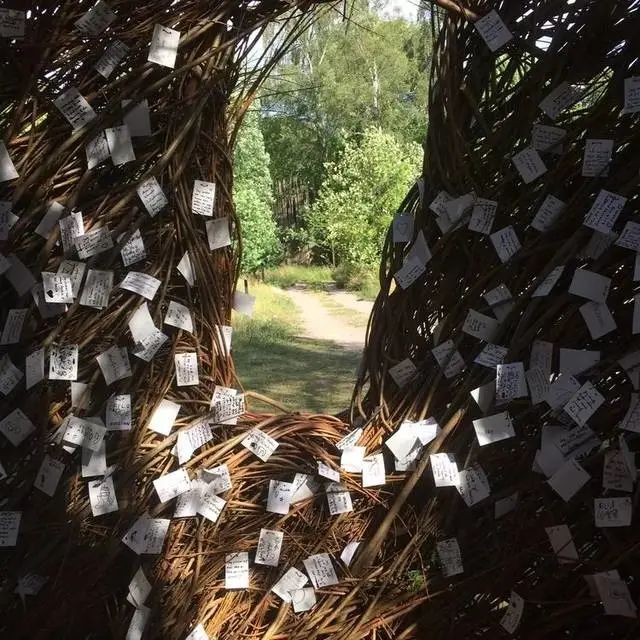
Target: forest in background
327,152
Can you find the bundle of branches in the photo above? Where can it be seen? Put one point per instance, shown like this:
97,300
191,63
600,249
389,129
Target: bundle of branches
106,388
510,315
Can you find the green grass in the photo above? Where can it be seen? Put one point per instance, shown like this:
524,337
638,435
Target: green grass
361,280
287,275
349,316
303,375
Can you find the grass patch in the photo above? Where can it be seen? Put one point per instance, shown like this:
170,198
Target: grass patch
358,278
349,316
287,275
304,375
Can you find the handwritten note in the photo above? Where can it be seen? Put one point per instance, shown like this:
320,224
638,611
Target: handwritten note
320,570
410,271
147,535
171,485
562,97
598,319
493,30
133,250
483,214
511,619
506,243
12,24
49,475
13,326
71,227
584,403
480,326
403,372
102,496
568,479
75,108
445,470
186,369
491,356
150,193
338,499
529,164
141,283
494,428
279,497
9,527
590,285
93,243
34,368
373,472
450,557
97,19
562,543
114,364
448,359
63,362
631,94
548,213
473,485
612,512
510,382
604,211
402,228
111,58
597,158
236,570
260,443
547,139
50,219
292,580
630,237
164,46
269,546
84,433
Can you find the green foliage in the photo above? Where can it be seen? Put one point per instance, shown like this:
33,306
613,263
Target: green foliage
253,197
357,277
287,275
360,194
342,77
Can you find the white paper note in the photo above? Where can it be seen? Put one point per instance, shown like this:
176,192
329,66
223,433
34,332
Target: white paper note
590,285
506,243
34,368
186,369
172,484
597,158
57,288
218,233
279,497
269,546
598,319
292,580
473,485
373,472
179,316
562,543
260,443
320,570
63,362
529,164
133,250
119,143
141,283
50,219
7,168
563,96
604,211
548,213
511,619
185,268
445,470
403,372
13,326
494,428
236,570
114,364
480,326
612,512
164,46
164,417
49,475
568,479
547,139
97,289
102,495
450,557
93,242
402,228
111,58
9,526
493,30
482,216
152,197
94,463
137,119
97,19
75,108
449,359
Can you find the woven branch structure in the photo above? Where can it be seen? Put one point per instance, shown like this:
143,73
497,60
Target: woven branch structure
65,572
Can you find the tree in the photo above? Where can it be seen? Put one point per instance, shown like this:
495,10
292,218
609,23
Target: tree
360,194
253,196
343,76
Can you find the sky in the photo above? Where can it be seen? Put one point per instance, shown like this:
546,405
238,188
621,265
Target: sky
405,8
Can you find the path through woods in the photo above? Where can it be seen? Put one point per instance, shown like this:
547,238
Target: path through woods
333,316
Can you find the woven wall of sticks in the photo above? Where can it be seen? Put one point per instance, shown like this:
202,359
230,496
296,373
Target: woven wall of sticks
490,487
509,314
